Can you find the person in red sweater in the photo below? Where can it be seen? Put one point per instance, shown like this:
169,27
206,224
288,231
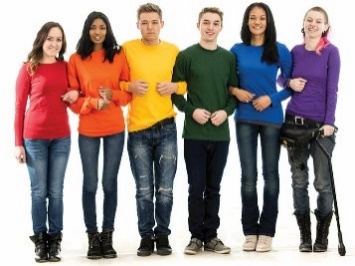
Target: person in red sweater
42,135
96,71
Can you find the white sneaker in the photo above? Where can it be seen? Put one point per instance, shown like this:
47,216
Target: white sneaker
264,243
250,242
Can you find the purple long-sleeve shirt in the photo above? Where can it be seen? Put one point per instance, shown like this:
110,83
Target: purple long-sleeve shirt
318,99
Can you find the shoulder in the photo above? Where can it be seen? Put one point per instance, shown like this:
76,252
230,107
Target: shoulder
238,46
131,43
282,47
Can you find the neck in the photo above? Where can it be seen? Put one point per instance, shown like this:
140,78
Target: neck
209,45
48,60
311,44
257,40
150,42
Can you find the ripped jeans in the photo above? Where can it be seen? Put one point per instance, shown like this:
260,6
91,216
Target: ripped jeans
153,158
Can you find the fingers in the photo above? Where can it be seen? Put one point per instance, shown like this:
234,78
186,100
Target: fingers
20,158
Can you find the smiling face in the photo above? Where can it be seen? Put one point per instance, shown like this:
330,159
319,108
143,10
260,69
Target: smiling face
314,24
210,25
257,21
98,30
53,44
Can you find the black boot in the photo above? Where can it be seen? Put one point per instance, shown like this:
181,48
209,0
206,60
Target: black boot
41,249
323,223
163,246
106,242
95,250
54,247
304,224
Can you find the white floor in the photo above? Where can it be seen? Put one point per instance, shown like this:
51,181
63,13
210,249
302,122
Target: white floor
16,224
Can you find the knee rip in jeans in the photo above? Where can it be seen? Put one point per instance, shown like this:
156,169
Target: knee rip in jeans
167,157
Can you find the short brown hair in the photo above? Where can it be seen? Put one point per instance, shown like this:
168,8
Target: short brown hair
215,10
149,7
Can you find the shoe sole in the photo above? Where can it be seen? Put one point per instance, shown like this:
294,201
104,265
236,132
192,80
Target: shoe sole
94,257
110,256
191,252
262,250
163,253
226,251
144,254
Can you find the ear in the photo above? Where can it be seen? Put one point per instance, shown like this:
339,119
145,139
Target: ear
198,25
161,24
137,23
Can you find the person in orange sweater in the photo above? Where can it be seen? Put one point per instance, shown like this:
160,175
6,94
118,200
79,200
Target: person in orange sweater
96,71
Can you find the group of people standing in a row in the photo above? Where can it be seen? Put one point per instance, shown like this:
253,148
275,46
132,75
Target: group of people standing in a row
151,76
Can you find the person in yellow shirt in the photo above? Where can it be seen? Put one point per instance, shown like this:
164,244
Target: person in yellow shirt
152,140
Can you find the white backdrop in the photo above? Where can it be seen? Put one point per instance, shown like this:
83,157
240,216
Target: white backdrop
21,21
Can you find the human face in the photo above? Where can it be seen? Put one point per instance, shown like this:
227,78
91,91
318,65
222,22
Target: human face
98,30
53,44
210,26
150,25
257,22
314,24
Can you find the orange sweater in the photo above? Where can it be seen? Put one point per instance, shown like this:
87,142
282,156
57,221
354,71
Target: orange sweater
87,76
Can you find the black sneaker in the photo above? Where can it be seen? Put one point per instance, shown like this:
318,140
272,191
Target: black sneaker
106,243
146,247
162,243
95,250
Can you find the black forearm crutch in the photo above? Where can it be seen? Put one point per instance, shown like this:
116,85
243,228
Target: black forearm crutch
341,247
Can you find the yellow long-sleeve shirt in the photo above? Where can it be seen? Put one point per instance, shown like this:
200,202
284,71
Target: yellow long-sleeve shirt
152,64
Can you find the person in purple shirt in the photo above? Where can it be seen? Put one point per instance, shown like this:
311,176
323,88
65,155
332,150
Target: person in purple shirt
315,76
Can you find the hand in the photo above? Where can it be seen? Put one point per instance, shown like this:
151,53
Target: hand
218,117
166,88
20,154
102,104
139,87
71,96
297,84
201,116
242,95
105,93
327,130
262,103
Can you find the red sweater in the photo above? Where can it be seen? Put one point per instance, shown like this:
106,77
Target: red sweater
87,76
47,116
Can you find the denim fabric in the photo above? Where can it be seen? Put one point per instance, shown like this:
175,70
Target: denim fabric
255,222
300,176
46,163
205,163
112,153
153,158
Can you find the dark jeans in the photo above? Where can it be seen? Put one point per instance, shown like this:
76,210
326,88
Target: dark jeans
47,163
153,158
205,163
254,222
300,177
89,153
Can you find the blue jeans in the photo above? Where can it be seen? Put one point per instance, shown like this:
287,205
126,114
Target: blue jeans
205,162
112,153
254,222
300,177
46,162
153,158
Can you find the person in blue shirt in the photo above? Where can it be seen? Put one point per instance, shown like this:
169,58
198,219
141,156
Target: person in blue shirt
260,60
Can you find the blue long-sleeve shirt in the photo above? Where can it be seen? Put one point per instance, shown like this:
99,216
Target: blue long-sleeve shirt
259,78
